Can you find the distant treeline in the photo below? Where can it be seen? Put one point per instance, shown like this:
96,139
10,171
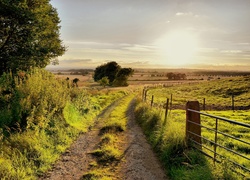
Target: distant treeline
171,75
77,72
222,73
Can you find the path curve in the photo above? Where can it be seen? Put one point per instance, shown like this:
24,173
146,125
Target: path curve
139,161
75,161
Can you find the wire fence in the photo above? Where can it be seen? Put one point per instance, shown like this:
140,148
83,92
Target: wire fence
215,148
178,101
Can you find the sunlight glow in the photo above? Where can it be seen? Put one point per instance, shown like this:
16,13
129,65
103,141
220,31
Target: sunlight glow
178,48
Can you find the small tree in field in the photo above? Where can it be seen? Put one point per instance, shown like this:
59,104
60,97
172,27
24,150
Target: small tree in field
116,75
104,81
109,69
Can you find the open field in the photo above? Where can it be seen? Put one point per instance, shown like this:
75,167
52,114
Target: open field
38,138
149,77
242,133
218,94
180,160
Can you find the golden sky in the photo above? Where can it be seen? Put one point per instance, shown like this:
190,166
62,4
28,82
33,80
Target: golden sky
155,33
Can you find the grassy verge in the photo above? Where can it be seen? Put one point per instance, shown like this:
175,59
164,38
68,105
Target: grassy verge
109,153
40,117
168,140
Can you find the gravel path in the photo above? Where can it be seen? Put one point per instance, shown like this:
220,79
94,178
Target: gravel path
75,161
139,162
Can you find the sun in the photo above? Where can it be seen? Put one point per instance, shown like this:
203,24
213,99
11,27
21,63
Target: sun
178,47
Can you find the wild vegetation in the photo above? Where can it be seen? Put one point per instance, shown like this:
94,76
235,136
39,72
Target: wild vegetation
40,117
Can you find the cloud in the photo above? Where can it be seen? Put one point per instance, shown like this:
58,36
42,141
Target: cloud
187,14
77,61
137,47
231,51
74,63
244,43
208,50
89,45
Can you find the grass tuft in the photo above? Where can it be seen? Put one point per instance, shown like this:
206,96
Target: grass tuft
108,154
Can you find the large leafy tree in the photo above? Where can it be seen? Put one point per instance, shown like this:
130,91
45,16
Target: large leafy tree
29,34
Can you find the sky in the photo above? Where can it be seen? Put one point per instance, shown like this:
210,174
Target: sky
155,33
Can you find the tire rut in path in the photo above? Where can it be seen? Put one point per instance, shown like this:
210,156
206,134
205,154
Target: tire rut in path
75,161
140,162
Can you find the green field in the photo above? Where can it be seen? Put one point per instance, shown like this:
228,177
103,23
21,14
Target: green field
217,93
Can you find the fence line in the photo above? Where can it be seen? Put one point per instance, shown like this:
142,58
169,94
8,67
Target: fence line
203,105
194,126
193,134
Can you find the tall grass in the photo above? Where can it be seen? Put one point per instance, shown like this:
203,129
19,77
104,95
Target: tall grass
168,140
236,131
40,116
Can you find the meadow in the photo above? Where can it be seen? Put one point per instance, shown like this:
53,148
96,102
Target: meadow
217,88
38,123
217,93
169,140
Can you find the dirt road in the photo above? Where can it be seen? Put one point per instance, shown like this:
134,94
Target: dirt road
139,161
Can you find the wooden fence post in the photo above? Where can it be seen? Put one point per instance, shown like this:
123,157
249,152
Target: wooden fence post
233,102
171,100
145,97
152,100
204,104
143,92
193,130
166,112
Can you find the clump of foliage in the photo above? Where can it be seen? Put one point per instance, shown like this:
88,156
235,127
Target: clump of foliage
29,32
116,75
32,100
40,117
104,81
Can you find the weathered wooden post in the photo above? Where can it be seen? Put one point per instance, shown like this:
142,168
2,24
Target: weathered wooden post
145,97
166,112
204,104
152,100
232,102
193,128
143,93
171,100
